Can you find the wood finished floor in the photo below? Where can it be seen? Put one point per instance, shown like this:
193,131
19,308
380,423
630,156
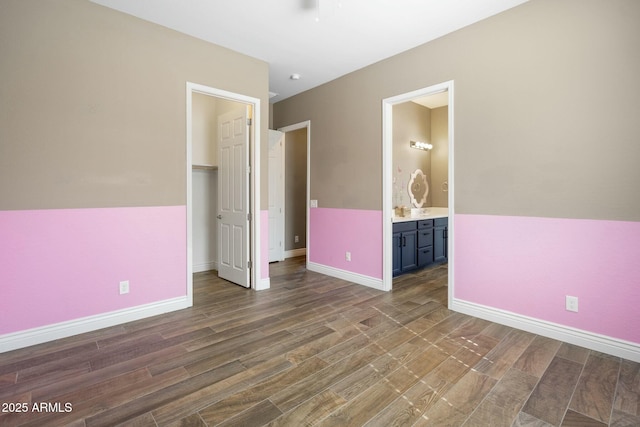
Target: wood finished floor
315,350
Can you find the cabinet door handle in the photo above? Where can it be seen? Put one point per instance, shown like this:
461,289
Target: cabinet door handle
404,240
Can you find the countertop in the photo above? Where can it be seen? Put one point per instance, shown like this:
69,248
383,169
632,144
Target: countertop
430,213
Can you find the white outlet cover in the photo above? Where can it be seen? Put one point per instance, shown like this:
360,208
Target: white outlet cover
124,287
572,303
313,203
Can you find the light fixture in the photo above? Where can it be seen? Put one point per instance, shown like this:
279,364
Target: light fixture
295,76
420,145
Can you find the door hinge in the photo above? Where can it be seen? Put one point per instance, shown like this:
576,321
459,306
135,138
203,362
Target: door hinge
249,265
249,216
248,122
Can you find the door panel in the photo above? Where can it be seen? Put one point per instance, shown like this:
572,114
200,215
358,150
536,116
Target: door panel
276,197
233,197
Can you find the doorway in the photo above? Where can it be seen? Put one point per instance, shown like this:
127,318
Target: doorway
248,167
387,191
276,196
296,169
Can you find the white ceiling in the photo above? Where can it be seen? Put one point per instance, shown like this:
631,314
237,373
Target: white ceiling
320,41
433,101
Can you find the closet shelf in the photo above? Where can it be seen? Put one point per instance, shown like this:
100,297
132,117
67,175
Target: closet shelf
206,167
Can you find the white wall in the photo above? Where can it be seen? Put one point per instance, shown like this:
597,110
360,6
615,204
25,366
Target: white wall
205,247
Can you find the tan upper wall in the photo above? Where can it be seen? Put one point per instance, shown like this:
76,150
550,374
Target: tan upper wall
93,105
547,101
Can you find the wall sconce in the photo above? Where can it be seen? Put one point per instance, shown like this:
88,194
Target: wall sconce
420,145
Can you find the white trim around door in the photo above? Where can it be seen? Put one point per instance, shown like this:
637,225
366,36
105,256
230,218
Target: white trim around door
302,125
254,182
387,177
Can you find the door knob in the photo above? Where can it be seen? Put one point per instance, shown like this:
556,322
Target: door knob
219,216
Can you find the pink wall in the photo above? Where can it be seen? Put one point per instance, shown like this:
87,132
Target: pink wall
333,232
64,264
528,265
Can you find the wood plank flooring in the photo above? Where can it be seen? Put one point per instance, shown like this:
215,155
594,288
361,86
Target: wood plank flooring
314,350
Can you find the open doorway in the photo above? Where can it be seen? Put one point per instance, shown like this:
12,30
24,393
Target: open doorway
206,110
390,188
295,170
223,119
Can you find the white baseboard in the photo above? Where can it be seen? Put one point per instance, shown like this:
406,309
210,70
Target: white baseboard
205,266
360,279
295,252
601,343
264,283
47,333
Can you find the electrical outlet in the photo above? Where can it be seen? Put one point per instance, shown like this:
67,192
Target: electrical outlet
572,303
347,256
296,239
124,287
313,203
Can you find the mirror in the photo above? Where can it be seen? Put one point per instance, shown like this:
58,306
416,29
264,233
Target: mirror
418,188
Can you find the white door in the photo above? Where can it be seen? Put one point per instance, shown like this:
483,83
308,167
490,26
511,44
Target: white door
233,197
276,196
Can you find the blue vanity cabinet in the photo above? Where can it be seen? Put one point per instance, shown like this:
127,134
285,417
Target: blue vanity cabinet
425,242
397,252
418,244
440,240
405,244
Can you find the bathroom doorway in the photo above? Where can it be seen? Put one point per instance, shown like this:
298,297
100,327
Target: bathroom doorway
391,189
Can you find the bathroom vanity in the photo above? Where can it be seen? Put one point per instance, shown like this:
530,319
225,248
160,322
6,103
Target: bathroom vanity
419,240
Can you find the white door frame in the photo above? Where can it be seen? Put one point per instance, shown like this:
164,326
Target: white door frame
302,125
387,178
254,182
281,189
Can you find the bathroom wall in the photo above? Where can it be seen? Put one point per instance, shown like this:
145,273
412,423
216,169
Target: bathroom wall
439,157
415,122
411,122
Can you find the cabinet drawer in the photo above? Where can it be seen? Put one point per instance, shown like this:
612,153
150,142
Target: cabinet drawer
425,223
425,256
399,227
425,237
439,222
